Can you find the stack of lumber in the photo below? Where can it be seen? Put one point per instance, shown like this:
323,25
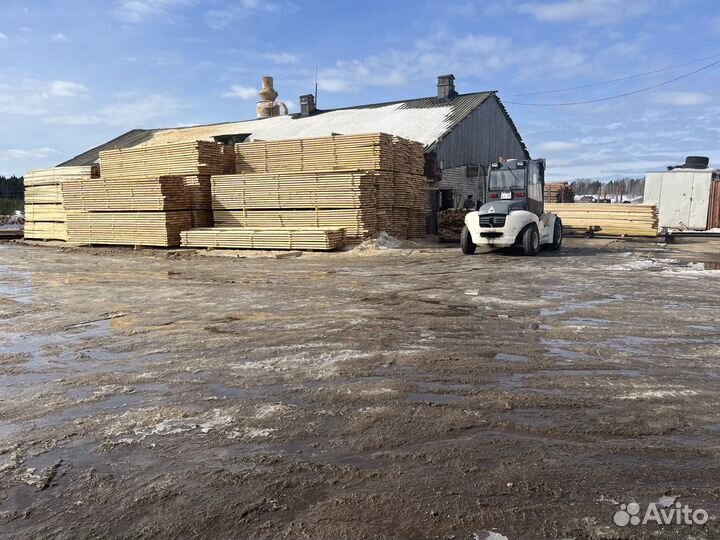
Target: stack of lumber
317,238
164,193
451,223
363,183
200,199
195,158
607,219
128,228
336,153
139,211
356,221
558,192
45,213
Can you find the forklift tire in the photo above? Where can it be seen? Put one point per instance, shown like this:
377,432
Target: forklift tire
466,242
531,241
557,236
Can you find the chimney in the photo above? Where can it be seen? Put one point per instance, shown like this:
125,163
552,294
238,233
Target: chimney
446,87
269,106
307,105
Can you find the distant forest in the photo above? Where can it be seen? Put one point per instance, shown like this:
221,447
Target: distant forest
11,194
631,187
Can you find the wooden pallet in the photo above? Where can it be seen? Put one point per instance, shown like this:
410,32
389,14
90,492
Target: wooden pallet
281,238
609,219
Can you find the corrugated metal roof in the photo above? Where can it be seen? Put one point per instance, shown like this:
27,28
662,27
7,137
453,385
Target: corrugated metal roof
426,120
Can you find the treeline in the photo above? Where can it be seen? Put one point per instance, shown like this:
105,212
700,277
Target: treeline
12,194
631,187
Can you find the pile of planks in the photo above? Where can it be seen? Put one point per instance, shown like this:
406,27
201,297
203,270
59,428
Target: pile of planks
194,158
607,219
316,238
128,228
558,192
140,211
451,223
45,213
362,183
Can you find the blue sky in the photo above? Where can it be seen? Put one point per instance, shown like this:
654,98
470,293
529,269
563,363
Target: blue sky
76,73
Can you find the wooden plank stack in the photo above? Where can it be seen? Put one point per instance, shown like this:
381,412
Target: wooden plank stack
128,228
607,219
558,192
45,215
139,211
317,238
363,183
195,158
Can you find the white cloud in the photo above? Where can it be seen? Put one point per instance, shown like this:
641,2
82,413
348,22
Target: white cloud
139,113
682,99
219,19
3,36
588,11
67,89
242,92
140,11
282,58
59,38
10,154
557,146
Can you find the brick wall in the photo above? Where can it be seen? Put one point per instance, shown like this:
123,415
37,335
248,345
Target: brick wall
457,180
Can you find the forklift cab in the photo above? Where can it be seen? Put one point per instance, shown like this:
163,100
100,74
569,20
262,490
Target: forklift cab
517,184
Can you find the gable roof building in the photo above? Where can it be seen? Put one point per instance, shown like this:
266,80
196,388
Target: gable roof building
462,133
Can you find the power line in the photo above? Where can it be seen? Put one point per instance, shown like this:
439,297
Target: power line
585,102
611,81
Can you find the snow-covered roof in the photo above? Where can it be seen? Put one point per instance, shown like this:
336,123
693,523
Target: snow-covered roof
426,120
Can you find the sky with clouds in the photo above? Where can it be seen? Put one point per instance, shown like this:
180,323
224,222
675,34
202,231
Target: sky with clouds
76,73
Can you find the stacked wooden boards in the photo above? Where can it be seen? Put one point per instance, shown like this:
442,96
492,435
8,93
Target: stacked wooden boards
363,183
45,213
558,192
194,158
140,211
608,219
316,238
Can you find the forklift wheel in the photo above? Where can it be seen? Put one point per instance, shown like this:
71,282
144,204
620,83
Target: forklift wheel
466,242
557,235
531,240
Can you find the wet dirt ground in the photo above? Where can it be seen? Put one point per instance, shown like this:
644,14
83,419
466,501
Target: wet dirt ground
413,393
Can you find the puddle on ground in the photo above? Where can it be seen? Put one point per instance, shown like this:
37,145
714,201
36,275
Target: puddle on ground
579,321
15,285
504,357
568,307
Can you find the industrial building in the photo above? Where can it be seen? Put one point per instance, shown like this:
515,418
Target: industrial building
462,133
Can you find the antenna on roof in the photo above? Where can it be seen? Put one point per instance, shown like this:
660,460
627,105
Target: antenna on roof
316,84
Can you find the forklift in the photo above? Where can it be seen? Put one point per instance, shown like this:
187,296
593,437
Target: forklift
514,212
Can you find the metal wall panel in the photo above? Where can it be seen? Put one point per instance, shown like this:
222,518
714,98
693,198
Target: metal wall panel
682,197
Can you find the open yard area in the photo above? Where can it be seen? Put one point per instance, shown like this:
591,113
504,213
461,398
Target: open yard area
414,393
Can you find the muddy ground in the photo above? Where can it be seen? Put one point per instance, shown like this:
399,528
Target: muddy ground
413,393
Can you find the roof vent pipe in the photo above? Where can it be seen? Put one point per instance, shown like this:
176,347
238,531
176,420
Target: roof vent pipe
307,105
446,87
